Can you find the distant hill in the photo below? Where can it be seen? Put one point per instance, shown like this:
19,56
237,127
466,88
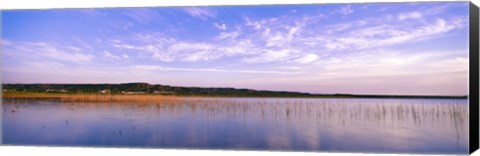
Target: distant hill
145,88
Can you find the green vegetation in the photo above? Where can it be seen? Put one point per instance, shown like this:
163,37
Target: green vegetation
145,88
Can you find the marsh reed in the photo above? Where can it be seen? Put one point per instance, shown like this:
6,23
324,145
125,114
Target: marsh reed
95,98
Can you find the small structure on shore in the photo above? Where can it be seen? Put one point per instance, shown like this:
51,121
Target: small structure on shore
162,92
105,91
132,92
57,90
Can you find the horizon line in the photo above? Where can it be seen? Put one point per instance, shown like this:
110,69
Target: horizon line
338,93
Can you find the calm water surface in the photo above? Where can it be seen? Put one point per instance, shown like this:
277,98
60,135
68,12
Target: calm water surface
343,125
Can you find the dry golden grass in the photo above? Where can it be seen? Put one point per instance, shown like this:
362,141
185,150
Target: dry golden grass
89,97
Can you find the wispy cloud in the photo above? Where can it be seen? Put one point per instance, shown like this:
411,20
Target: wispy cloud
202,13
162,68
375,63
307,58
110,55
386,35
74,48
286,39
410,15
140,15
268,56
344,10
168,49
220,26
224,35
42,50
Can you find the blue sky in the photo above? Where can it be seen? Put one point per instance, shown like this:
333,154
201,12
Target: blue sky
365,48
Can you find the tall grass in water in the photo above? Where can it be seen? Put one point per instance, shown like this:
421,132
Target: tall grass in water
142,99
96,98
388,112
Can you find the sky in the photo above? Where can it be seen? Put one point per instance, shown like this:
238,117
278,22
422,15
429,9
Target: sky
364,48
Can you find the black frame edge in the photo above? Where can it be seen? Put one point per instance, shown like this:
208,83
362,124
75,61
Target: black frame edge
473,78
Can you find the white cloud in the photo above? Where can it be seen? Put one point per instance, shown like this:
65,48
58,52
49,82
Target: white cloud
220,26
377,63
75,57
307,58
140,15
276,40
162,68
163,48
192,52
271,56
74,48
386,35
116,41
438,9
125,56
127,46
291,67
410,15
110,55
255,24
344,10
154,37
289,38
224,35
455,64
202,13
440,26
42,50
279,31
240,48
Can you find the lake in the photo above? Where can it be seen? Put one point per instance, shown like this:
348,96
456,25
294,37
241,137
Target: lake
286,124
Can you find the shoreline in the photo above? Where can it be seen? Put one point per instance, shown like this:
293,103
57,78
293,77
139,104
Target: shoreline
44,95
